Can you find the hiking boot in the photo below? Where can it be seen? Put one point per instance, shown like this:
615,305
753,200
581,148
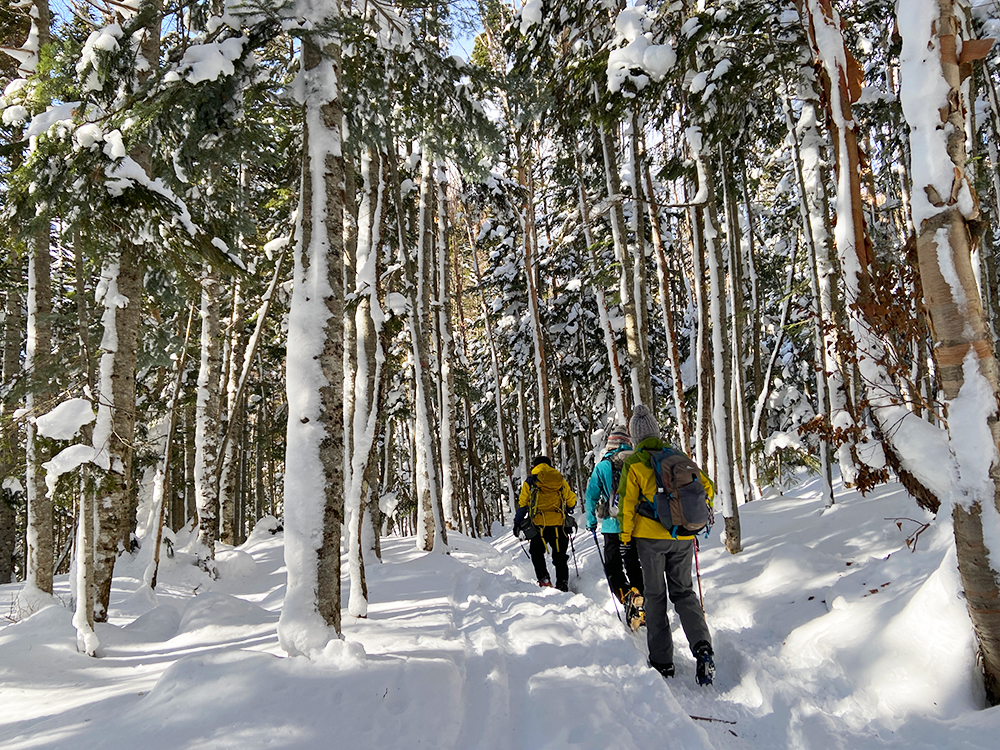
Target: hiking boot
562,585
635,615
664,668
704,656
545,583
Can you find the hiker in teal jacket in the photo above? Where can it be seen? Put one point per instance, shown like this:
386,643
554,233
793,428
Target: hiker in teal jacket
621,561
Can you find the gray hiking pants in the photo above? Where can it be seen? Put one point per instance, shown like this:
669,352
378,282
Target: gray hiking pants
666,567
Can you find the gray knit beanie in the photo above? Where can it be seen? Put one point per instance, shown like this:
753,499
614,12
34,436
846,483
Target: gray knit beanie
642,425
618,438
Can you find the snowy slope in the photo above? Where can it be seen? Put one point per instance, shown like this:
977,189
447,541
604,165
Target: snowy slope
829,633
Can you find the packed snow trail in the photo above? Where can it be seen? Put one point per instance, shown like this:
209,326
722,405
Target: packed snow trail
829,633
457,652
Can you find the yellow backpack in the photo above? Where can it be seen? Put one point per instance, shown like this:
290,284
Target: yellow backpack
547,506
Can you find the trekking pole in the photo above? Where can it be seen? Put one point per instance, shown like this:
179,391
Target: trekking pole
521,545
574,556
614,599
697,568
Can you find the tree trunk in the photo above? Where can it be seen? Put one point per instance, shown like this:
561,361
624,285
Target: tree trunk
235,417
451,477
828,280
526,179
350,332
610,345
497,391
725,488
738,392
667,309
161,484
368,356
624,257
190,509
314,464
121,294
814,233
12,328
8,538
10,441
702,352
943,204
83,616
37,362
206,462
891,416
431,532
642,382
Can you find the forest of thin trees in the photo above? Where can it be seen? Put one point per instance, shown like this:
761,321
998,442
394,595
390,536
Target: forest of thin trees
311,264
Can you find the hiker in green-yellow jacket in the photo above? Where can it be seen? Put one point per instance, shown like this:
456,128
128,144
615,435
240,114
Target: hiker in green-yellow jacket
665,559
544,503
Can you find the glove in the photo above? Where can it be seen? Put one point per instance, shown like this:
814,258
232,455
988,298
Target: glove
592,529
569,524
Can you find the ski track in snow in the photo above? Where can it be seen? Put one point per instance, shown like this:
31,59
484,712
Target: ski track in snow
821,634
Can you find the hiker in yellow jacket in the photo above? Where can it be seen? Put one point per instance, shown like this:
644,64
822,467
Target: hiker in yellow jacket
544,504
665,559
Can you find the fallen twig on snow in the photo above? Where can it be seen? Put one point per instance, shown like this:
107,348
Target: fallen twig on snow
710,718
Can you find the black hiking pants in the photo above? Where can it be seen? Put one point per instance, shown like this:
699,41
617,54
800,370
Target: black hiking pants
554,539
621,565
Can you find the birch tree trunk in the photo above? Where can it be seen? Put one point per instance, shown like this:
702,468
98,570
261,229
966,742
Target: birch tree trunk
235,418
667,310
350,332
37,361
190,510
83,614
431,532
725,485
526,179
369,356
642,382
522,433
840,75
624,257
738,393
702,352
610,345
314,463
451,480
470,478
828,280
206,460
943,204
829,383
431,516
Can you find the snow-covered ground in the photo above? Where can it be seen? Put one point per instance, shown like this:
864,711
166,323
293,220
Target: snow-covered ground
829,633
